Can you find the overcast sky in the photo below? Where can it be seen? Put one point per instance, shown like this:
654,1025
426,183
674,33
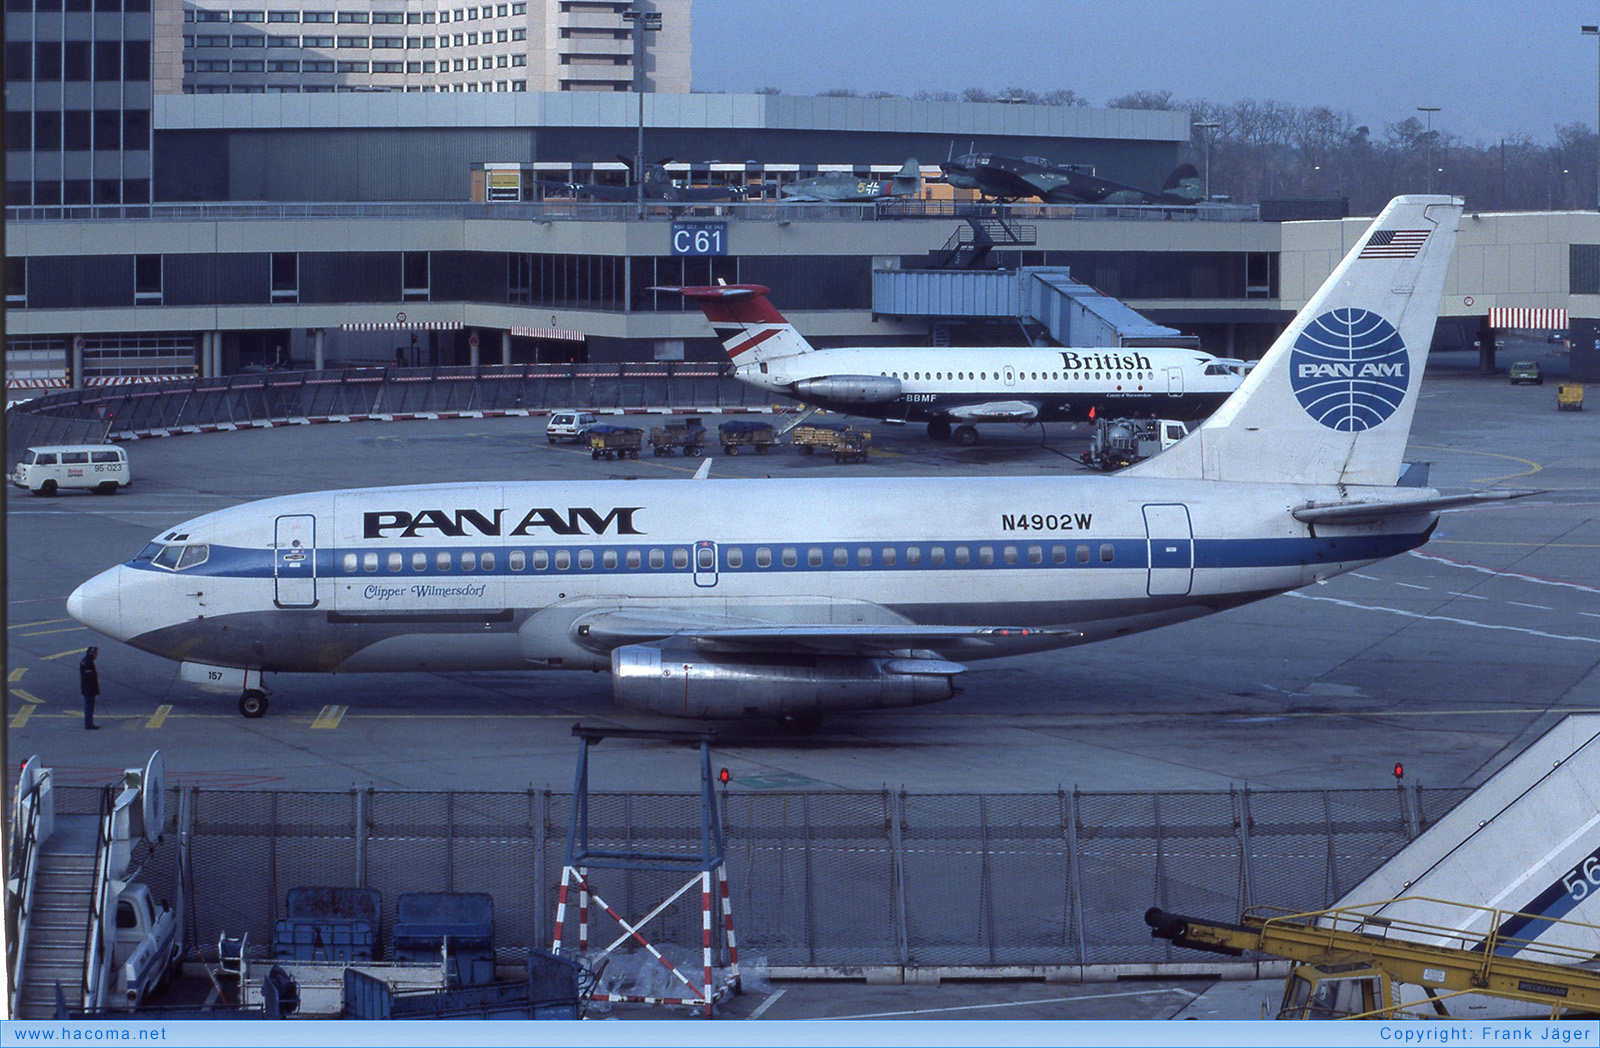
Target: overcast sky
1494,67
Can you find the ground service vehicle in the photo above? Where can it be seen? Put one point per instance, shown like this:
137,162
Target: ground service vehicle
852,446
101,468
1120,442
569,425
1526,371
1569,396
146,949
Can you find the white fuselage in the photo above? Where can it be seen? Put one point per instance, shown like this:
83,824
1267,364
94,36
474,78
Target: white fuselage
494,576
1059,384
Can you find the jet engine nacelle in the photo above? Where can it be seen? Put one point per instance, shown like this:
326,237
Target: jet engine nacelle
849,389
680,682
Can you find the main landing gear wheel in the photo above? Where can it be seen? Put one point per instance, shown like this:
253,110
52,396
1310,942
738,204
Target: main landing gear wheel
939,430
253,703
966,436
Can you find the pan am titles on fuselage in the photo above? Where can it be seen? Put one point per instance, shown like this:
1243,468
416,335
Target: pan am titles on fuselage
794,598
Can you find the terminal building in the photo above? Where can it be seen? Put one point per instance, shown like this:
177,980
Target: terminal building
209,232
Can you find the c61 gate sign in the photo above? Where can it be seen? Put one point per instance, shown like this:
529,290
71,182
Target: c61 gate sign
699,238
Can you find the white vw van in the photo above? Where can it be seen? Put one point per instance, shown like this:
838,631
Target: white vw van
101,468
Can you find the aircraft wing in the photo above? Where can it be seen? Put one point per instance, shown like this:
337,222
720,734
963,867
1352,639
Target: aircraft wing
996,411
604,630
1368,512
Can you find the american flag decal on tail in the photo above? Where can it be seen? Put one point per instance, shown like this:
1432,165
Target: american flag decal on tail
1395,243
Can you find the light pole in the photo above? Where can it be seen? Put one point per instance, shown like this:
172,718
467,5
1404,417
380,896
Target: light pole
1208,126
643,22
1430,110
1594,31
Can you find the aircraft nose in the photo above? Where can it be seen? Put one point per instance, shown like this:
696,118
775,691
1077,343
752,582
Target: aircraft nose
98,603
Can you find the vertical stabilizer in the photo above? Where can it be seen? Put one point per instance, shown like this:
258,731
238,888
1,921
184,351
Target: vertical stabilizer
1331,402
751,329
908,181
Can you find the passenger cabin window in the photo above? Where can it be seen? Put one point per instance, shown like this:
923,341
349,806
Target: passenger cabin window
469,561
419,561
350,563
563,560
541,560
442,561
396,561
369,562
1106,552
680,558
1083,554
487,560
586,559
735,557
658,558
763,557
608,559
517,560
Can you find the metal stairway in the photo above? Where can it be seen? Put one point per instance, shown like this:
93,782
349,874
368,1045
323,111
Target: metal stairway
58,922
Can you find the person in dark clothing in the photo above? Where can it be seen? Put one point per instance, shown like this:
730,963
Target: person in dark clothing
89,684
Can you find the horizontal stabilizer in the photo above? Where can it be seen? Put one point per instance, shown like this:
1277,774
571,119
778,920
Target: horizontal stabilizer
1369,512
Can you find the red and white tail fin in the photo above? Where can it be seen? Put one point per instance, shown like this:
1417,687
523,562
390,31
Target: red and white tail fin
751,330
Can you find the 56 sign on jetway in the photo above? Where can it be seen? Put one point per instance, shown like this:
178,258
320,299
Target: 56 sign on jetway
699,238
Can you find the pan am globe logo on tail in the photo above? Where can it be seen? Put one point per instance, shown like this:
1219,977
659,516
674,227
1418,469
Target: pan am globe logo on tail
1349,369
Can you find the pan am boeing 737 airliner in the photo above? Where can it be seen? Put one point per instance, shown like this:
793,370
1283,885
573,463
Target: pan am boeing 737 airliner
791,598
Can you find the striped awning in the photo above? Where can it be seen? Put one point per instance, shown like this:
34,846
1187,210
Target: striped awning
1527,318
405,325
565,334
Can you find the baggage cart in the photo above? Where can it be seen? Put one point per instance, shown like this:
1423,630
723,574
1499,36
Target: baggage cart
1569,396
809,438
852,445
742,434
609,442
669,440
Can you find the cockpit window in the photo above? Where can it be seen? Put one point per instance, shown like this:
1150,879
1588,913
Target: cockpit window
150,551
168,558
194,555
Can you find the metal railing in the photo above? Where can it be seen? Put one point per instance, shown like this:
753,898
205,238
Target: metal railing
821,881
657,210
202,404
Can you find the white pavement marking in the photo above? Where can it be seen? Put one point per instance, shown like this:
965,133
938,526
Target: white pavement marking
1504,574
1444,618
771,1000
1009,1004
1409,585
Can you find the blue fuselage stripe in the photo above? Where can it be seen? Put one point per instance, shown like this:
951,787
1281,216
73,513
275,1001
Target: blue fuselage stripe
1003,554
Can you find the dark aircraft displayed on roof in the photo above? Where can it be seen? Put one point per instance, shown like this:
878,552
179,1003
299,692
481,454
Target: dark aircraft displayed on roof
835,186
658,186
1017,178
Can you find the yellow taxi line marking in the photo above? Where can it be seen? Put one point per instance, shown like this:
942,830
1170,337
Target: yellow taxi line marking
330,717
159,717
64,654
22,717
25,697
17,673
63,629
42,622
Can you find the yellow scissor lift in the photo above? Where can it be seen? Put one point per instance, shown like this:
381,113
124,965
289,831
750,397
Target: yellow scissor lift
1351,964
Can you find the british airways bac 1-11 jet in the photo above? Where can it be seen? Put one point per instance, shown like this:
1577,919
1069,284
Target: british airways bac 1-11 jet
791,598
960,386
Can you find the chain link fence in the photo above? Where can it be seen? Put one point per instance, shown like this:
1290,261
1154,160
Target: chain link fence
818,880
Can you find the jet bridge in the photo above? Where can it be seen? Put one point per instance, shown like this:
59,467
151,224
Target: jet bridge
1045,300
